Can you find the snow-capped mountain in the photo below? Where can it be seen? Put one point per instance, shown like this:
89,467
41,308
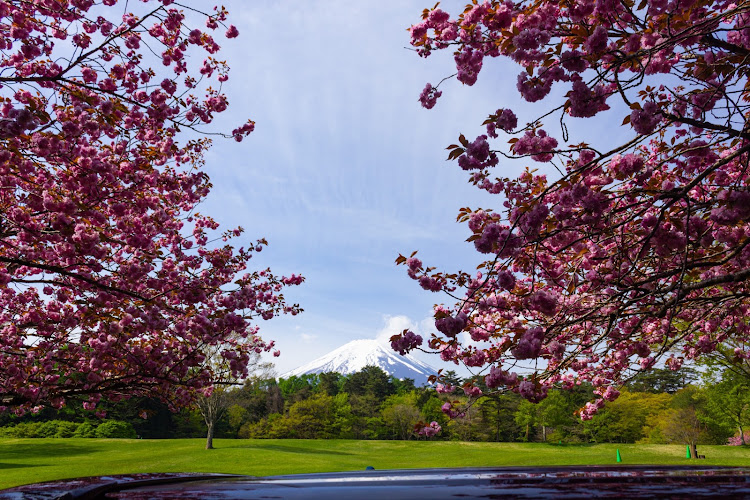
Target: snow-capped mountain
357,354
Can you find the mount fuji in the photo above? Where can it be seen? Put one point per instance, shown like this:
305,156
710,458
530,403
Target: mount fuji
357,354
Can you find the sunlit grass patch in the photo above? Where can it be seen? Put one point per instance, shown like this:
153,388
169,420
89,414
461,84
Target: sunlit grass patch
24,461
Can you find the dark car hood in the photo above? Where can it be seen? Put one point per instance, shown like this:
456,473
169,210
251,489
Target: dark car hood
505,482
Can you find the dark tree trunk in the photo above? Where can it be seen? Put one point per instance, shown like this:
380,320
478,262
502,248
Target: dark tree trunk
497,425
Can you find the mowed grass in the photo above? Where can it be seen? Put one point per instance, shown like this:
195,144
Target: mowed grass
24,461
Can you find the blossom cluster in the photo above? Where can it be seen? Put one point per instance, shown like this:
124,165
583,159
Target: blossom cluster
537,144
504,119
429,96
478,155
406,342
431,430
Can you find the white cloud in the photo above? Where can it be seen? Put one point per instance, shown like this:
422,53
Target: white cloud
424,327
308,338
395,325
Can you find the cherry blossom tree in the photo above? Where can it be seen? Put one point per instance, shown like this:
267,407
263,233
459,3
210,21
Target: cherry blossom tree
214,406
111,284
630,254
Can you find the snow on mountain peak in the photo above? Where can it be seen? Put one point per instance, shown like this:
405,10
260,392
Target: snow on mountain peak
357,354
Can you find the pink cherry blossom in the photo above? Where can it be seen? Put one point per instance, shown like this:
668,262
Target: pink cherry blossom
430,430
429,96
406,342
618,249
110,287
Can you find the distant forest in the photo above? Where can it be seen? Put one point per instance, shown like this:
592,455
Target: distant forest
662,406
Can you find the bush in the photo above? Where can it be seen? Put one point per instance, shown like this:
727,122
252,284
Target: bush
66,429
736,440
25,430
560,435
85,430
47,429
8,432
115,429
275,426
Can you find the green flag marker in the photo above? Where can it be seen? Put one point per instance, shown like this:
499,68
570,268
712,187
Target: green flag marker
687,452
619,458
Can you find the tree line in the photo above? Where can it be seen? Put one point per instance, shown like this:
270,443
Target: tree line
661,406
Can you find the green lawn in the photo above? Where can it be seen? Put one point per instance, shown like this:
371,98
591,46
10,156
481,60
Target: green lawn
25,461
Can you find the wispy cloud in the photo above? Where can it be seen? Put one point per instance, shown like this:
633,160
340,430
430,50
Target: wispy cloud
308,338
345,170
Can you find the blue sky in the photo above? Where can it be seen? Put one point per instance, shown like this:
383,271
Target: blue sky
345,169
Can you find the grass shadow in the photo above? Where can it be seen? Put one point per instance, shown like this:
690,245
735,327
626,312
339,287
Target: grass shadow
296,449
574,445
19,466
33,450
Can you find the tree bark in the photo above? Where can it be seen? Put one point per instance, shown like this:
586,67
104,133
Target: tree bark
497,425
694,450
742,436
210,436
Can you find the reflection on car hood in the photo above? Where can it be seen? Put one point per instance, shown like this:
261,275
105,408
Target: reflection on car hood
505,482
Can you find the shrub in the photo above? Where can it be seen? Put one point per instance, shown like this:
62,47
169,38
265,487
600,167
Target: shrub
66,429
85,430
47,429
737,439
115,429
560,435
26,430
